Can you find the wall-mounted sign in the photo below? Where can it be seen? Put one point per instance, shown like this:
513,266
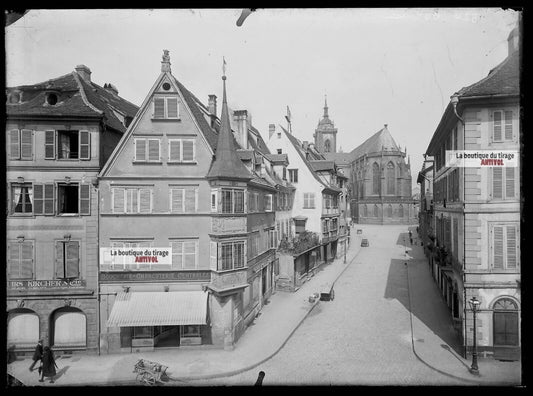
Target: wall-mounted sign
46,284
154,276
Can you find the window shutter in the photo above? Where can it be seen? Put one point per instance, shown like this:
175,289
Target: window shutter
26,144
72,262
38,199
13,266
177,251
49,144
508,125
177,200
172,107
188,150
14,144
174,150
511,247
214,255
509,182
497,247
85,145
189,249
153,150
118,200
497,183
140,149
190,200
145,200
85,199
60,270
159,108
49,199
497,126
214,201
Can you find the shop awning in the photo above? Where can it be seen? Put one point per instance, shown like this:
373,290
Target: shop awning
159,309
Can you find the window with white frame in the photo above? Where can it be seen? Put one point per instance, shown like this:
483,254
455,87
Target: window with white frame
68,144
268,202
253,202
61,199
505,249
20,258
21,198
232,200
183,199
293,175
309,200
166,108
228,255
132,200
504,183
184,254
20,144
147,150
181,150
502,125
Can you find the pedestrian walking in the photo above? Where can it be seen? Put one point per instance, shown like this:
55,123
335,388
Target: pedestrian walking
259,381
49,365
37,354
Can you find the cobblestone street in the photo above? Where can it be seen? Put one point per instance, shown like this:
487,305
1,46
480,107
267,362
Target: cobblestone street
364,336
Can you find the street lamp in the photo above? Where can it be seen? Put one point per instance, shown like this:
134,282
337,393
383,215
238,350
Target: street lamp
474,306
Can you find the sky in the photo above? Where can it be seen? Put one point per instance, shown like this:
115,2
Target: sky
395,66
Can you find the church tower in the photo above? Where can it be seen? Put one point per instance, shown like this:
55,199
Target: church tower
326,134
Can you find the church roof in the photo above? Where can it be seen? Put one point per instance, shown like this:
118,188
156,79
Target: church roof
322,165
381,140
227,164
339,158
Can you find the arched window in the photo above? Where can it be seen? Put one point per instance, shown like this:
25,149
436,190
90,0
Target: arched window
22,328
391,179
375,178
505,319
400,211
389,210
375,210
69,328
365,211
327,146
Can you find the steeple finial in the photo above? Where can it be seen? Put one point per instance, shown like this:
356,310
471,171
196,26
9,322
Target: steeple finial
326,106
165,62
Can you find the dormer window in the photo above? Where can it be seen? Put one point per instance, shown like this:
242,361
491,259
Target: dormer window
14,97
51,98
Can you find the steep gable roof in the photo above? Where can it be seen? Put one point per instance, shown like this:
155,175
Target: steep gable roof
381,140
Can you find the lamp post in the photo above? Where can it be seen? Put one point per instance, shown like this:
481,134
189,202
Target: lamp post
474,306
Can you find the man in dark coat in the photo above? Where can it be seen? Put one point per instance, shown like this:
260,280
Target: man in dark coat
260,377
37,354
49,365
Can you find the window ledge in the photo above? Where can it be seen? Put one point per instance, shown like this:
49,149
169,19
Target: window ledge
182,163
147,162
166,119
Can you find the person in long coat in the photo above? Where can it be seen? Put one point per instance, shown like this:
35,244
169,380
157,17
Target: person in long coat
37,354
49,365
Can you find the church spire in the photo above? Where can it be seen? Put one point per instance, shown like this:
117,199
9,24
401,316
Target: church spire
227,165
326,106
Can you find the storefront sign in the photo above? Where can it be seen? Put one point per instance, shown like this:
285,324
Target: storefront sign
46,284
154,276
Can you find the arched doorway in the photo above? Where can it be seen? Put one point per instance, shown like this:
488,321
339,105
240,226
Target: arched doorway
505,318
68,328
22,328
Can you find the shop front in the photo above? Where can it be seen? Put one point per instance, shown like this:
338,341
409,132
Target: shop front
149,320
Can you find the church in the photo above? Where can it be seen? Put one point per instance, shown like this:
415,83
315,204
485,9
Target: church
378,173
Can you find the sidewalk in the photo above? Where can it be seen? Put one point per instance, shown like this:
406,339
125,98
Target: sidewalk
434,337
262,340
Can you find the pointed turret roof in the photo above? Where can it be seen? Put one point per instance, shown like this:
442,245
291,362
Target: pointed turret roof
227,164
375,143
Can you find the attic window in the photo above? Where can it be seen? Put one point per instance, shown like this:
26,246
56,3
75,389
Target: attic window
51,99
14,97
166,86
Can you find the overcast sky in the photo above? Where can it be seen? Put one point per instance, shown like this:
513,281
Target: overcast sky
377,66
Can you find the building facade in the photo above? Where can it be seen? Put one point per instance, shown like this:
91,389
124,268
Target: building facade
381,182
182,179
477,210
58,136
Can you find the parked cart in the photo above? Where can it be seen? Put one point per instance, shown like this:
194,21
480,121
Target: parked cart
149,373
326,292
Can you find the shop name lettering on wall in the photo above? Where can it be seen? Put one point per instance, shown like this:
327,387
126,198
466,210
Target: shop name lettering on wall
155,276
46,284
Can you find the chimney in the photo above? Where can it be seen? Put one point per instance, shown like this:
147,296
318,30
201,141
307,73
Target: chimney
84,72
111,88
512,41
271,130
305,144
241,118
212,107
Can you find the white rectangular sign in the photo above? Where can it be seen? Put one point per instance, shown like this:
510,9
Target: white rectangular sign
138,255
482,158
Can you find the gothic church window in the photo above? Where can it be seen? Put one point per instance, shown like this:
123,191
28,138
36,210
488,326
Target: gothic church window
375,178
327,146
390,178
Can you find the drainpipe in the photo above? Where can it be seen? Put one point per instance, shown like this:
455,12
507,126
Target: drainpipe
454,101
